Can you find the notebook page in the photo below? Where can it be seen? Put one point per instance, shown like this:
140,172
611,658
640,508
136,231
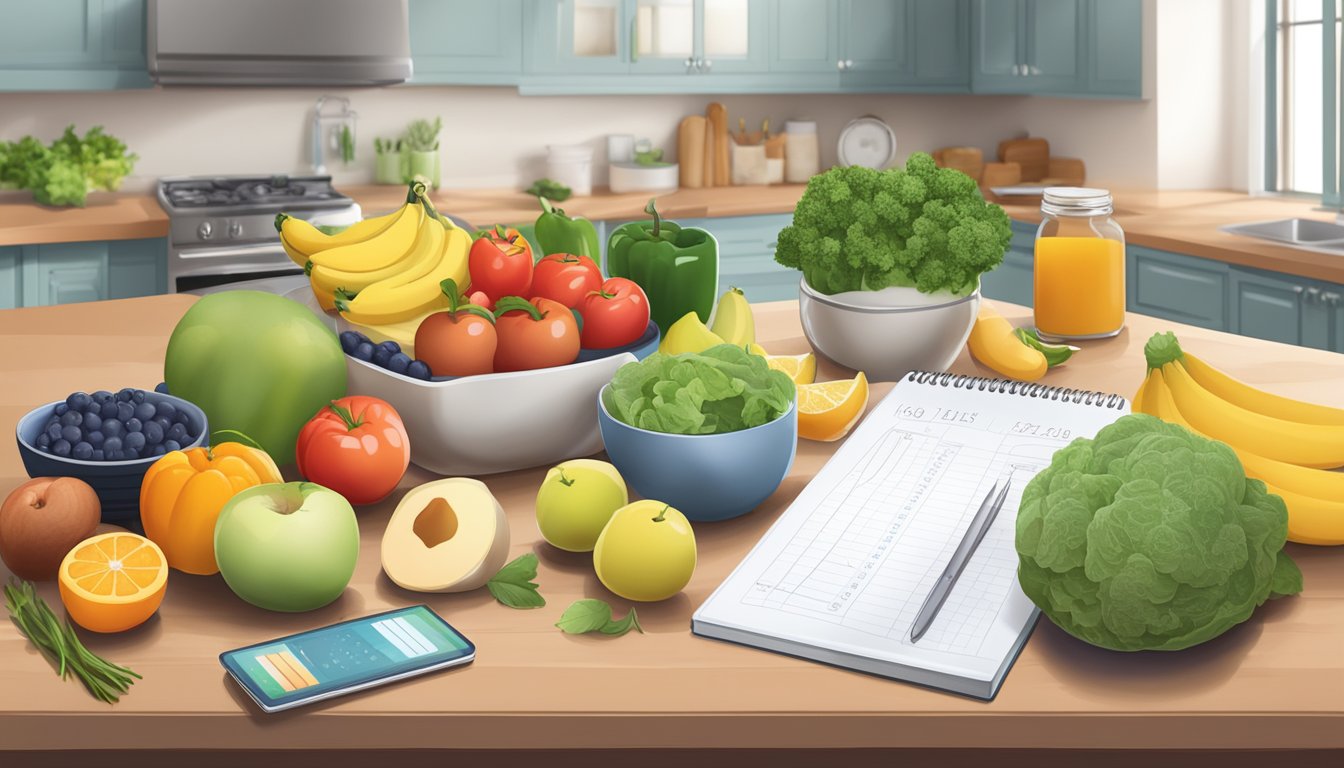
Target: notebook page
851,561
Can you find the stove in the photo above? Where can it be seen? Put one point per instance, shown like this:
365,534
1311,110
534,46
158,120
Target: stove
221,229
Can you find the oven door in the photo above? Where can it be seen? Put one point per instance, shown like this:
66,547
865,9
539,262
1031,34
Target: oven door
194,270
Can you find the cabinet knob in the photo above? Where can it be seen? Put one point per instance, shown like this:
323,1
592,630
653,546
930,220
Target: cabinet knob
1313,294
1298,289
840,64
706,65
690,63
1331,298
1033,70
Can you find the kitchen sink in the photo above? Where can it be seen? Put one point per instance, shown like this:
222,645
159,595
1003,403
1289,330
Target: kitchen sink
1310,234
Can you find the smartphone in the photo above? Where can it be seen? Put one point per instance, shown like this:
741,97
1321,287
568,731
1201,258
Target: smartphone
350,656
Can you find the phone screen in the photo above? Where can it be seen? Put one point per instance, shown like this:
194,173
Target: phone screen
347,656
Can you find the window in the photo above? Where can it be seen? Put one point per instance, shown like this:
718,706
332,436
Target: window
1302,119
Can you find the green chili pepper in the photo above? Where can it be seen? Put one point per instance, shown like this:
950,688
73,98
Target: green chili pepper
677,267
558,233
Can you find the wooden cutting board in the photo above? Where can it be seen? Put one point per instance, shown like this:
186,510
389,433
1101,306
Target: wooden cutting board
691,151
717,114
968,160
1032,155
707,174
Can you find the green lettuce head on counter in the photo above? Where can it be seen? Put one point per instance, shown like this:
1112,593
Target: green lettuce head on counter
723,389
860,229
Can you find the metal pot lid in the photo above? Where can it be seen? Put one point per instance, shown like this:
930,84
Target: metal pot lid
867,141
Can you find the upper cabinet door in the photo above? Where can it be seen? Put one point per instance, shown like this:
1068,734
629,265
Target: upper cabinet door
733,36
580,37
1115,44
1055,35
891,43
37,35
466,42
662,36
998,45
803,36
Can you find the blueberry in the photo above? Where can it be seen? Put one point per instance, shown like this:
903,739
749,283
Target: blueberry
137,396
349,340
182,417
113,455
113,427
163,423
177,433
156,450
391,346
364,351
164,410
61,408
145,411
418,369
61,448
78,401
97,454
153,432
43,441
92,421
171,445
112,445
101,396
82,451
381,355
95,438
133,441
398,362
71,434
53,432
109,410
124,395
133,425
72,419
125,411
131,454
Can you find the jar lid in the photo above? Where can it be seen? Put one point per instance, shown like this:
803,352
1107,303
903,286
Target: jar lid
1076,201
800,126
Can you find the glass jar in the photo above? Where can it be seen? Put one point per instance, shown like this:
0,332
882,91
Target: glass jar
1079,272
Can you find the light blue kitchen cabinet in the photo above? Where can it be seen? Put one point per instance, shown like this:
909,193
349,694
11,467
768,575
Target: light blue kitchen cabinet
466,42
11,284
72,45
1177,287
1279,308
885,44
67,273
1115,48
804,36
1028,46
747,255
1013,280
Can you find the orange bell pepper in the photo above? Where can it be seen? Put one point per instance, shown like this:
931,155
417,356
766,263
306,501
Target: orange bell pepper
184,491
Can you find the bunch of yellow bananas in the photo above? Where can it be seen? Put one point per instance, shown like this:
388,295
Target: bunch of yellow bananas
1287,444
383,270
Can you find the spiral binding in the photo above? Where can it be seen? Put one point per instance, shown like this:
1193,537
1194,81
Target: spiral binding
1024,388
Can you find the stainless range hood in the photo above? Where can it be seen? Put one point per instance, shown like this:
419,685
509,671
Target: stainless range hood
278,42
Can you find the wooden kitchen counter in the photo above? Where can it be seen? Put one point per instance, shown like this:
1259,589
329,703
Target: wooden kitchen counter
1275,682
108,216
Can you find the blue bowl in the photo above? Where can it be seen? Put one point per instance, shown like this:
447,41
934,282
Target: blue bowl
706,477
117,483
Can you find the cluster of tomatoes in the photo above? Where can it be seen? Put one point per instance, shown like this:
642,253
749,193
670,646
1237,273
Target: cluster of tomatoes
518,316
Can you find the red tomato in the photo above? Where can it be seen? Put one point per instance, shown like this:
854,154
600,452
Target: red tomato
481,300
565,278
357,446
536,334
500,263
614,316
459,342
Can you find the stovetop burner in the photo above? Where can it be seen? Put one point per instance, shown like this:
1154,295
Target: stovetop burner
228,191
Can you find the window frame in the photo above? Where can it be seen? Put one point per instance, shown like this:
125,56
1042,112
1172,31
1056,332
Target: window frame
1277,127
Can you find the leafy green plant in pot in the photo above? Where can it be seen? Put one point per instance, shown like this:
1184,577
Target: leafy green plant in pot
421,147
891,264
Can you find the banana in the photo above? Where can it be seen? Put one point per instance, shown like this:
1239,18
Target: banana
402,331
992,343
392,301
733,321
1138,403
421,257
325,299
1252,399
378,252
1314,517
306,239
1307,445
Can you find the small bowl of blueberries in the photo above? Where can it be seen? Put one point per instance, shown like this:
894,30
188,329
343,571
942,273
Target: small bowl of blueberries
109,441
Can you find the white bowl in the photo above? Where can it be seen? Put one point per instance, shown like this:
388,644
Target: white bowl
887,342
633,177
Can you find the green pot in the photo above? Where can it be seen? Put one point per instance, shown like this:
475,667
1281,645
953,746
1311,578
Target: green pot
387,169
423,164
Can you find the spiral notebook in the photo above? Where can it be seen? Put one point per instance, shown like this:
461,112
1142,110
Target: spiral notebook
841,574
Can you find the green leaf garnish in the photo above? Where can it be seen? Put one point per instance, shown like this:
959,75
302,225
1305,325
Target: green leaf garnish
514,585
590,615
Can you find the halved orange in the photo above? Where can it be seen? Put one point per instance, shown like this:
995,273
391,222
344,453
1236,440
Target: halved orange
827,410
113,581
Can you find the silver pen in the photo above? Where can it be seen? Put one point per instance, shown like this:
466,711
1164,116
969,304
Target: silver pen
984,518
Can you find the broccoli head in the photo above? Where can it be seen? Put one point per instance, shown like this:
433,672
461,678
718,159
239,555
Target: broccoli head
1150,537
861,229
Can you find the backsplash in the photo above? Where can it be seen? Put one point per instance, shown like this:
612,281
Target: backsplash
493,137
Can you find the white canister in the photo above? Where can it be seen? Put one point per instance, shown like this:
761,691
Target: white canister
802,155
571,165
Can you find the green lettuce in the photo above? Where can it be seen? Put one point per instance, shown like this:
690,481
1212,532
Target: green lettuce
723,389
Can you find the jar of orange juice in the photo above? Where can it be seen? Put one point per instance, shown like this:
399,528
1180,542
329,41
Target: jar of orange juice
1080,266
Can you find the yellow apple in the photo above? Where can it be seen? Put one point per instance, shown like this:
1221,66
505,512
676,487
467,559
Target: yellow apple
576,500
646,552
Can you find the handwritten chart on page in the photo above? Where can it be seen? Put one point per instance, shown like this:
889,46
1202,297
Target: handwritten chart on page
841,575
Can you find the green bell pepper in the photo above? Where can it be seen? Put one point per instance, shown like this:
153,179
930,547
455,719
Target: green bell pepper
677,267
558,233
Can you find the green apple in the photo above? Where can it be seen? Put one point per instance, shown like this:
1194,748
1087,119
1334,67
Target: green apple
646,552
287,546
576,500
257,363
